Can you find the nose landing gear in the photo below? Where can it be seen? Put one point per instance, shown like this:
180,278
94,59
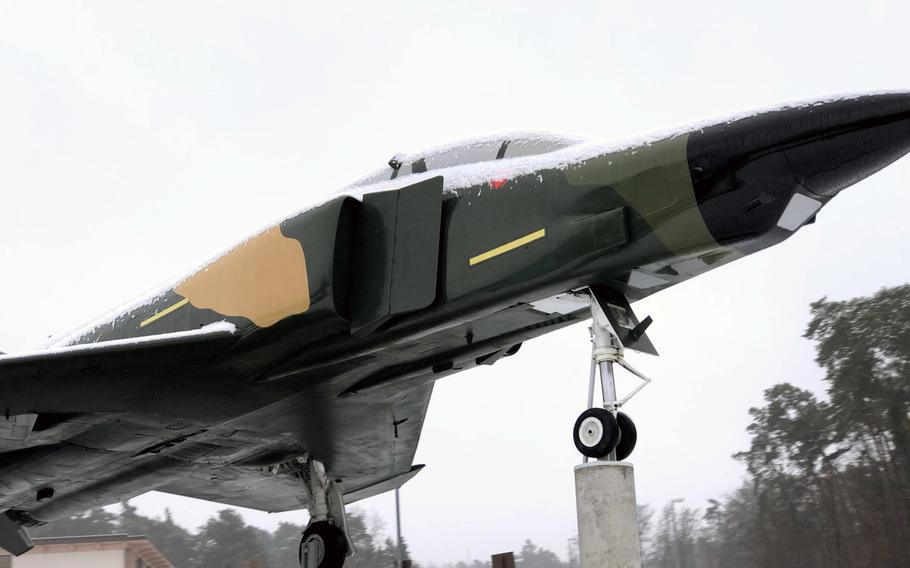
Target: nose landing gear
605,432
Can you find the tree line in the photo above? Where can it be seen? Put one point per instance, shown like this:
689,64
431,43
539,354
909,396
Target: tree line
828,482
226,541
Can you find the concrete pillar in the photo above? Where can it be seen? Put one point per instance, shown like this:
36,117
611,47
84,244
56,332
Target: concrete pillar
607,515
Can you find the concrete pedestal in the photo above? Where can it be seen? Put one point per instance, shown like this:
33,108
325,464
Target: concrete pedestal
607,515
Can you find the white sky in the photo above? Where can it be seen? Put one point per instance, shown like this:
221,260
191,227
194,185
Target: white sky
137,139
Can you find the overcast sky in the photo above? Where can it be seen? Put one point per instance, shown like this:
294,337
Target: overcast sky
135,140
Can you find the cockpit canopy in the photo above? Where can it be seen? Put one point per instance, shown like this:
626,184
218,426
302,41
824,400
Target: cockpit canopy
469,152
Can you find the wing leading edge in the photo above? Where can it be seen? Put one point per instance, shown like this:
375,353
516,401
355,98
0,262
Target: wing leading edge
115,376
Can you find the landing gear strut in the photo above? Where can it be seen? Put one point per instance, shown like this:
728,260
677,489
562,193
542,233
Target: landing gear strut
325,542
606,433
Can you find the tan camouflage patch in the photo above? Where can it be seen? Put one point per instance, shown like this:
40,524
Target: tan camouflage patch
263,280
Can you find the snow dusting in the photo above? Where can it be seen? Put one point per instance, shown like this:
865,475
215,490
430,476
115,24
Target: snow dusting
567,151
213,328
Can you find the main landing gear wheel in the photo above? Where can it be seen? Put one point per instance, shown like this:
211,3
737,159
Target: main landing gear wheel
322,546
628,435
596,433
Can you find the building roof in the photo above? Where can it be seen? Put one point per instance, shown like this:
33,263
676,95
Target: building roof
48,540
141,546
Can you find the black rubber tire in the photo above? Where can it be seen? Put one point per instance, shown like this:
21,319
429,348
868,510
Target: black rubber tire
628,436
601,433
330,539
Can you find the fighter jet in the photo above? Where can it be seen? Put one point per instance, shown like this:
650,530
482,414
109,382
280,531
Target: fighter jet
294,371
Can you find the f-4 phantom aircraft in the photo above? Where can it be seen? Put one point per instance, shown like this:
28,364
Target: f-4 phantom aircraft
294,371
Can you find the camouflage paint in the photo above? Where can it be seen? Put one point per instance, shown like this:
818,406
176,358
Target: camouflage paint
655,182
263,280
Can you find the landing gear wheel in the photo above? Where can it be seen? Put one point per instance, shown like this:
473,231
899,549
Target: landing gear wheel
322,546
628,436
596,433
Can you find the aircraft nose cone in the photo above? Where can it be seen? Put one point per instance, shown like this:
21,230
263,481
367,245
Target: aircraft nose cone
831,146
745,172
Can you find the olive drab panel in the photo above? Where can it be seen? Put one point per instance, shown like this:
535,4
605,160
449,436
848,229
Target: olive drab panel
396,253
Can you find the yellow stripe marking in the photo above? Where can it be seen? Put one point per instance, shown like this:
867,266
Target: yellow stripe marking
507,247
164,312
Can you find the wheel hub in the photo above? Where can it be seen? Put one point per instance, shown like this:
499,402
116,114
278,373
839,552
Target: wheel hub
315,546
591,432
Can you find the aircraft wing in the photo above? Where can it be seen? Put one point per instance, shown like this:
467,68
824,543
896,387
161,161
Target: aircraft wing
110,376
239,486
368,441
264,491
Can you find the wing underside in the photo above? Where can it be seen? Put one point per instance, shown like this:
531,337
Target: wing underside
84,422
